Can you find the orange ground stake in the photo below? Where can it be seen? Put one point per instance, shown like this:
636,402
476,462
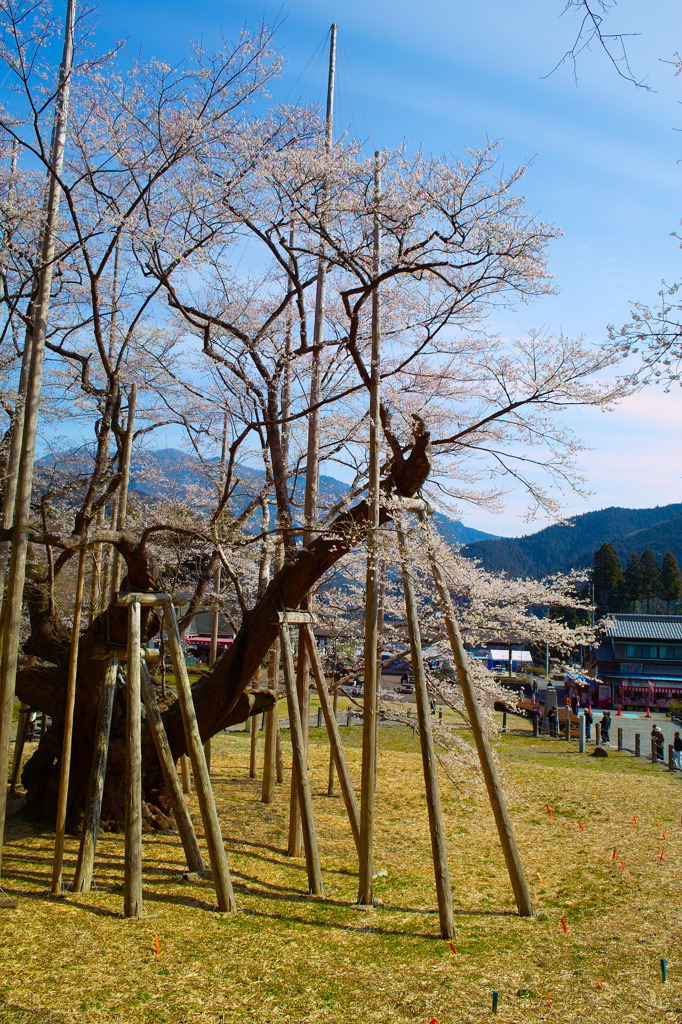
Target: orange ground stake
622,865
156,945
614,854
549,997
452,948
661,857
540,877
581,826
634,818
563,925
598,983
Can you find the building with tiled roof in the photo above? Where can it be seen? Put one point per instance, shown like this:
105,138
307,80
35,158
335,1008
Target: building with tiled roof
639,661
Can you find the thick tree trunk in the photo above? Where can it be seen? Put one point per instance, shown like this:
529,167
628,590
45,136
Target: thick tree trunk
220,699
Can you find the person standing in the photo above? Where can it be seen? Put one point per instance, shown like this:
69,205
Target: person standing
553,720
605,726
677,752
534,691
589,718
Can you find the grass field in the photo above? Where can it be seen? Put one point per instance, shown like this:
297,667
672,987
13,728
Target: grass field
285,957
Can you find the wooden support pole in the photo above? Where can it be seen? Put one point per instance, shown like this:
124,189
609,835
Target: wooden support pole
65,767
330,779
132,887
82,881
16,571
438,848
295,847
638,742
369,714
170,777
19,744
253,753
185,774
209,814
335,743
493,785
312,858
271,730
280,759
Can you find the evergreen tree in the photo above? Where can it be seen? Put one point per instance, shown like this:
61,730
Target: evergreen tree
607,578
651,576
671,580
634,580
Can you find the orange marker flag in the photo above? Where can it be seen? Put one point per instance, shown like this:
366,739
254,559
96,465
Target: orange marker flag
156,944
634,818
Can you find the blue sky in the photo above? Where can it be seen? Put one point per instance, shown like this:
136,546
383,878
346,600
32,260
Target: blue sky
444,74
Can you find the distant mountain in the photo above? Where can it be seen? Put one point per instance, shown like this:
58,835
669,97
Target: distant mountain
170,473
573,544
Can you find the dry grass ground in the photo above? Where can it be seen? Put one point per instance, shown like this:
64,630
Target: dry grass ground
285,957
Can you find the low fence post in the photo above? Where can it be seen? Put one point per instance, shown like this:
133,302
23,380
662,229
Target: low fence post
620,739
653,751
348,714
535,724
581,734
319,718
638,744
671,760
504,721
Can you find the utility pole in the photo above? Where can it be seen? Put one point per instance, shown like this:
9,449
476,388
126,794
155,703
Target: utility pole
369,713
312,472
22,510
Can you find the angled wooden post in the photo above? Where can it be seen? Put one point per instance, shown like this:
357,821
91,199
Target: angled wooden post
82,881
312,857
438,848
335,743
65,767
330,779
185,774
295,847
19,744
271,730
170,777
493,785
209,814
132,887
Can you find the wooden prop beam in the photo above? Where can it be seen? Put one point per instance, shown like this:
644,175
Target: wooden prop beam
312,857
271,731
330,780
438,848
65,767
19,744
492,781
132,886
209,814
183,821
335,744
93,807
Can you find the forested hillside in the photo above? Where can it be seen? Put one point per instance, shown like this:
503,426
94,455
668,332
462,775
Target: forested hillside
573,544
